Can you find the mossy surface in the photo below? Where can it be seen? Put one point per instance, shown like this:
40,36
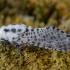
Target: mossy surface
34,58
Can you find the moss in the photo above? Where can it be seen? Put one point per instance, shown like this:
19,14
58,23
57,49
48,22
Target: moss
34,59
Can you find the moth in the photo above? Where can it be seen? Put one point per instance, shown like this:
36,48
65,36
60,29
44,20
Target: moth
20,35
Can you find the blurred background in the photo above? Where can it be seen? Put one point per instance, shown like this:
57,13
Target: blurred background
36,13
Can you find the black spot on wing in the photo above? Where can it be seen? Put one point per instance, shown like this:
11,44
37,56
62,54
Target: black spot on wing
47,27
33,42
18,38
13,30
32,29
28,40
58,29
22,34
44,36
49,46
38,34
62,32
53,27
38,43
13,38
6,30
37,29
26,34
65,48
67,35
31,37
41,30
35,39
34,36
27,29
19,30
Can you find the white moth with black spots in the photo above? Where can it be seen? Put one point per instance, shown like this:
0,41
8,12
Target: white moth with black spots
20,35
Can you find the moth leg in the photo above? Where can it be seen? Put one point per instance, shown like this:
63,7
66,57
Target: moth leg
19,50
6,43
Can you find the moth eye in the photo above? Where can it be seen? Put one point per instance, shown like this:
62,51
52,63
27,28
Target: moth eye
13,30
6,30
19,30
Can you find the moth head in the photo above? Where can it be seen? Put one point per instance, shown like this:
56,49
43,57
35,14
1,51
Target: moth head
10,31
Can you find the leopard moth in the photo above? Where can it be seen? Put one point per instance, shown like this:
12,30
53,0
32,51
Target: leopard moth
20,35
